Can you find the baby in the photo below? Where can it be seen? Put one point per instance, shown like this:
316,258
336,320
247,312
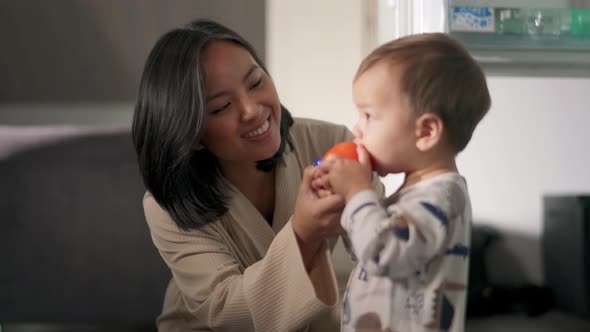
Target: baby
419,100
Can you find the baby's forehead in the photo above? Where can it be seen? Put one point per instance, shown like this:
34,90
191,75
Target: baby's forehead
380,78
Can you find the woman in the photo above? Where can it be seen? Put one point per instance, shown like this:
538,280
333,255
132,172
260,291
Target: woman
222,161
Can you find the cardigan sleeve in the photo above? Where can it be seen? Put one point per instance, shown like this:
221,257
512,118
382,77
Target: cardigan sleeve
273,294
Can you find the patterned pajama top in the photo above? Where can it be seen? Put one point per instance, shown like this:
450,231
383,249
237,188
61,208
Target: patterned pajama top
411,253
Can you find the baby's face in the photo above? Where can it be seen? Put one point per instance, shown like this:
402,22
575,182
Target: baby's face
386,124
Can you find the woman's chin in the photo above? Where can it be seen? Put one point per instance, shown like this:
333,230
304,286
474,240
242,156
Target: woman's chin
272,151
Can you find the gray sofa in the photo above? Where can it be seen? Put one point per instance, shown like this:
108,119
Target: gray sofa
76,251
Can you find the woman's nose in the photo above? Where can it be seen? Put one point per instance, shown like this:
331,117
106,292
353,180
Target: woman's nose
250,108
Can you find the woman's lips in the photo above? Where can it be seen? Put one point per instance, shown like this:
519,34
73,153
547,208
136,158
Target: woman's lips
258,131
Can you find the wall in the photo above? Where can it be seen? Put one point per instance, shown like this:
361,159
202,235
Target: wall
313,48
75,61
532,142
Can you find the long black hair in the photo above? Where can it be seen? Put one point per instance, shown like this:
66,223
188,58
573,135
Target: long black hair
170,119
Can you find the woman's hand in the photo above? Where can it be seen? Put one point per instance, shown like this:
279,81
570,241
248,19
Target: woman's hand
315,218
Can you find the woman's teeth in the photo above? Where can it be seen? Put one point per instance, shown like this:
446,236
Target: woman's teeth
258,131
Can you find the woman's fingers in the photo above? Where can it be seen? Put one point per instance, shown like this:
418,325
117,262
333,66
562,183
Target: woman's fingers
324,192
321,183
317,212
330,203
308,173
317,181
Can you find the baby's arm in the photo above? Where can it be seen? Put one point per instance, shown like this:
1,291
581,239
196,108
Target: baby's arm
399,241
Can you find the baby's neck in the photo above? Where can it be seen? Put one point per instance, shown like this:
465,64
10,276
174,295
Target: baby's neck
428,171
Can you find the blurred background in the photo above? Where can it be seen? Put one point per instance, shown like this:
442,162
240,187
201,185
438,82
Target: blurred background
78,63
74,61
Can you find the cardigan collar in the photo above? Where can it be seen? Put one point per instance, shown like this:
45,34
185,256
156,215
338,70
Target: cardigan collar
243,213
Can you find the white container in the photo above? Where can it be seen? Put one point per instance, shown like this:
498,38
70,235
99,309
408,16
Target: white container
472,19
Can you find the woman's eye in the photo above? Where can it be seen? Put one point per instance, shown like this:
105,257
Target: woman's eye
215,111
256,84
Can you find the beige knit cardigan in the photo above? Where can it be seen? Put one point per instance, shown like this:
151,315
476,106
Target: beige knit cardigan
241,274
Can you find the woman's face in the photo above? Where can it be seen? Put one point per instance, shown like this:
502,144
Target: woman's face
244,112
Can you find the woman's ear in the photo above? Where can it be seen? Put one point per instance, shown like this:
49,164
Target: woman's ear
429,131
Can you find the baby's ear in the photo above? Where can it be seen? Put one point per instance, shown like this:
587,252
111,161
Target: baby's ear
429,131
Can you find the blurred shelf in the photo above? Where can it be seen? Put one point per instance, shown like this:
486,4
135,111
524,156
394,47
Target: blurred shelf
489,41
511,3
510,49
540,32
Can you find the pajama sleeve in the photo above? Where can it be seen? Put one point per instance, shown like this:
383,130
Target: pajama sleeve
380,192
398,241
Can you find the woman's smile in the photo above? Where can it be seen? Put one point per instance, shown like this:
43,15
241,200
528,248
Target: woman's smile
259,133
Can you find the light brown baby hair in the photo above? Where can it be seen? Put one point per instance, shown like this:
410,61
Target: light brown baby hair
439,76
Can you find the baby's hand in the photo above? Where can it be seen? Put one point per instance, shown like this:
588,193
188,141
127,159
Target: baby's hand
319,190
343,176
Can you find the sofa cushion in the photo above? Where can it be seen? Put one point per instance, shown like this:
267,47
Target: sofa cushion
75,245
